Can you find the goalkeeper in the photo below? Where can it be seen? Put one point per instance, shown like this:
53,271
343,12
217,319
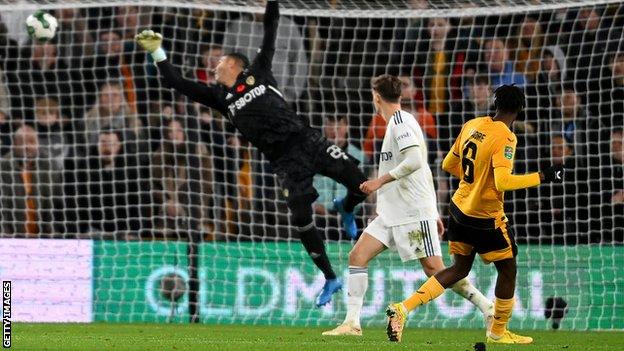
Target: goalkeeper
247,93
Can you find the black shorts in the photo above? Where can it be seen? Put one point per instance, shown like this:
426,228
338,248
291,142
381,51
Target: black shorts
296,169
467,234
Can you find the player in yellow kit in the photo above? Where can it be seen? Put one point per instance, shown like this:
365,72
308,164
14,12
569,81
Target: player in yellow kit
482,158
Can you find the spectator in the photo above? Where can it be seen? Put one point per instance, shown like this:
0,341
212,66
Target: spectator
210,56
57,139
410,104
612,190
586,52
182,192
31,193
541,94
42,74
5,109
477,103
229,161
111,111
5,134
498,66
612,105
572,122
290,64
62,143
408,34
336,130
563,208
5,103
438,75
77,38
117,198
116,59
561,152
129,19
373,139
527,42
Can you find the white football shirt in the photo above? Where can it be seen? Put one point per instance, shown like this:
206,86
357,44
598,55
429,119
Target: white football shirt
413,197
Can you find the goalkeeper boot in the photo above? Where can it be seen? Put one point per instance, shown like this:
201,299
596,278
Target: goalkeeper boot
331,286
348,218
508,338
344,329
397,316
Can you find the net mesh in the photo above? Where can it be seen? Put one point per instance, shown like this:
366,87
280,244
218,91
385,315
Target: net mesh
96,148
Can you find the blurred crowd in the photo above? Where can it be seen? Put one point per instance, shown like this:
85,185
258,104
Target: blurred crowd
94,146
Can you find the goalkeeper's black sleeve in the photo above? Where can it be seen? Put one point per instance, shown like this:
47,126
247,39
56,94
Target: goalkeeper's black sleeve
208,95
271,22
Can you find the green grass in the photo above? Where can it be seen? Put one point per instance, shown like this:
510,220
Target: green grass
100,336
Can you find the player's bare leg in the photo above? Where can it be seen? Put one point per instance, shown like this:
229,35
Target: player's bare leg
365,249
505,288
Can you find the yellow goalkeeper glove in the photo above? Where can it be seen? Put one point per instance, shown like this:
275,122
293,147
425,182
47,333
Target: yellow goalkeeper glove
151,42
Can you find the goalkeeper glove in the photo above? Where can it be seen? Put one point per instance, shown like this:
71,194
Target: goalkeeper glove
151,42
553,174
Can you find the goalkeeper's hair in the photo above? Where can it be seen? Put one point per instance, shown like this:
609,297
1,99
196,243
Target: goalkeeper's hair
388,87
509,99
242,60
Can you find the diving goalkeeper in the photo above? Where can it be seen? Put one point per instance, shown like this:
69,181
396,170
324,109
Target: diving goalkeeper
247,93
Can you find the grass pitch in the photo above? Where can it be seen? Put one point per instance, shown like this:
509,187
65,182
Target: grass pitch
99,336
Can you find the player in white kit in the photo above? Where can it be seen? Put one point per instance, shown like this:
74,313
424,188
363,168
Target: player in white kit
407,216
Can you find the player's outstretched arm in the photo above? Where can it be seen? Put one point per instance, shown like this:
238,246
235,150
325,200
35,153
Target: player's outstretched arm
151,42
271,22
505,181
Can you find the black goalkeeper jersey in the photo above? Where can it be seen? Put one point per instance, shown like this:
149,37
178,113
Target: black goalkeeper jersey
254,105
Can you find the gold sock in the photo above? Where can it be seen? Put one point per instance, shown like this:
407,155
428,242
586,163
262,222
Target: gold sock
427,292
502,313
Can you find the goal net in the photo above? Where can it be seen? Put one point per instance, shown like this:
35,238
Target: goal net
131,203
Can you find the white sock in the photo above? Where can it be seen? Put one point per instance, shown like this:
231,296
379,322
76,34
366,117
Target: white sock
470,293
357,283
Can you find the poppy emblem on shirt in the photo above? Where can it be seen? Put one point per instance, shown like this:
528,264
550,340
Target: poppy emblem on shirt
240,88
250,80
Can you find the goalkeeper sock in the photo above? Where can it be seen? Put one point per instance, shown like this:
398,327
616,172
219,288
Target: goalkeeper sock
502,313
357,284
470,293
427,292
316,249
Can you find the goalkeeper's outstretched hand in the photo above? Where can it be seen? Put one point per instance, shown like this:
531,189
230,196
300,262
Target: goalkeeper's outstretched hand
553,174
149,40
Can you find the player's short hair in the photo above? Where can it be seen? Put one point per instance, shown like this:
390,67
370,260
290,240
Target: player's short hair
509,99
388,87
240,58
